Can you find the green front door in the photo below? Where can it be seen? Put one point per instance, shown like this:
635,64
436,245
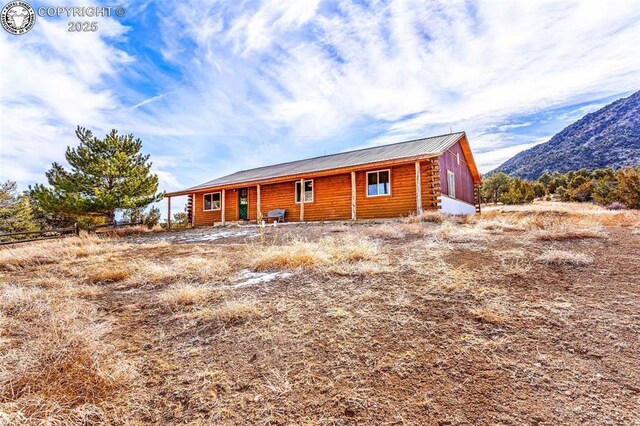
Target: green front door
243,207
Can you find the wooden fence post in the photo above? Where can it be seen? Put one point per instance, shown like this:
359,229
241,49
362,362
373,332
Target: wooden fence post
77,229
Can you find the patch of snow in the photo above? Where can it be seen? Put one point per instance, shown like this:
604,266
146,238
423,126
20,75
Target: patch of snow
251,278
195,236
218,235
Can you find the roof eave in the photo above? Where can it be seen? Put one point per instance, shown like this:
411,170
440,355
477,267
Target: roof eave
290,177
475,173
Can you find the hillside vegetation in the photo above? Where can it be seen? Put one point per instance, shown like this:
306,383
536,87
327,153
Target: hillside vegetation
523,314
609,137
615,189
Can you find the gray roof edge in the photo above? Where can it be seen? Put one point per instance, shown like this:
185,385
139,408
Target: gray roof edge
211,183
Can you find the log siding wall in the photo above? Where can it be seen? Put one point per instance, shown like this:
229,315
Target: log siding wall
401,201
332,194
331,199
463,177
205,218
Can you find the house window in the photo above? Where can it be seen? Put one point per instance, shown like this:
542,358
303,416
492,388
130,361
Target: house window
451,183
308,191
458,158
212,201
378,183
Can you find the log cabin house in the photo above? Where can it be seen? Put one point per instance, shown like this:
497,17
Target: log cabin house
435,173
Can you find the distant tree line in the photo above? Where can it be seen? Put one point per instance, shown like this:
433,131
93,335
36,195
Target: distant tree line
607,187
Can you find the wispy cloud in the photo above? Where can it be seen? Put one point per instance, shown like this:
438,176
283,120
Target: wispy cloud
149,100
260,29
51,82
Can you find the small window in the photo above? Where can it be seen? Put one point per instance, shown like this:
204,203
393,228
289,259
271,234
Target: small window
451,183
212,201
458,158
308,191
378,183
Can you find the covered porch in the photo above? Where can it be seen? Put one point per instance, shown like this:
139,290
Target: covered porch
330,195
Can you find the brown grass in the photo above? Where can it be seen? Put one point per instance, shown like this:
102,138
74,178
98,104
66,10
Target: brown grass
427,216
126,231
408,321
565,258
107,276
229,313
235,312
576,214
34,254
184,294
306,254
567,231
500,224
196,268
385,231
487,315
457,233
57,367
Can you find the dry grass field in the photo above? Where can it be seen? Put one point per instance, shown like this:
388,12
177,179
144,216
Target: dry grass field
524,315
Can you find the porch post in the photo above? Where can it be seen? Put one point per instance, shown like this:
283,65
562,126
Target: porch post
222,206
193,210
168,212
302,200
259,212
418,189
353,195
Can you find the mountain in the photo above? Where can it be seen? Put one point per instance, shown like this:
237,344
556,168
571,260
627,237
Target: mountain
609,137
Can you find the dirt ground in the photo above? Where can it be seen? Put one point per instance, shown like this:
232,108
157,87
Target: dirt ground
447,323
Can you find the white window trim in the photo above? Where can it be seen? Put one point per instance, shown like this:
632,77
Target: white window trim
450,173
211,210
313,191
366,183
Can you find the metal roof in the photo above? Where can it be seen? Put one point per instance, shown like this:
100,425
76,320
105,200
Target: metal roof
434,145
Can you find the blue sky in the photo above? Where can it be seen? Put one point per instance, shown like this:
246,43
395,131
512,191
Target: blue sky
212,87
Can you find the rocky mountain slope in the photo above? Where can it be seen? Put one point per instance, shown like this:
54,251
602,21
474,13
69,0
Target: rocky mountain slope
609,137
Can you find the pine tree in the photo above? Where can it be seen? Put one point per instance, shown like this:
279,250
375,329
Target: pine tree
520,192
15,210
603,190
181,219
152,218
494,186
106,175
